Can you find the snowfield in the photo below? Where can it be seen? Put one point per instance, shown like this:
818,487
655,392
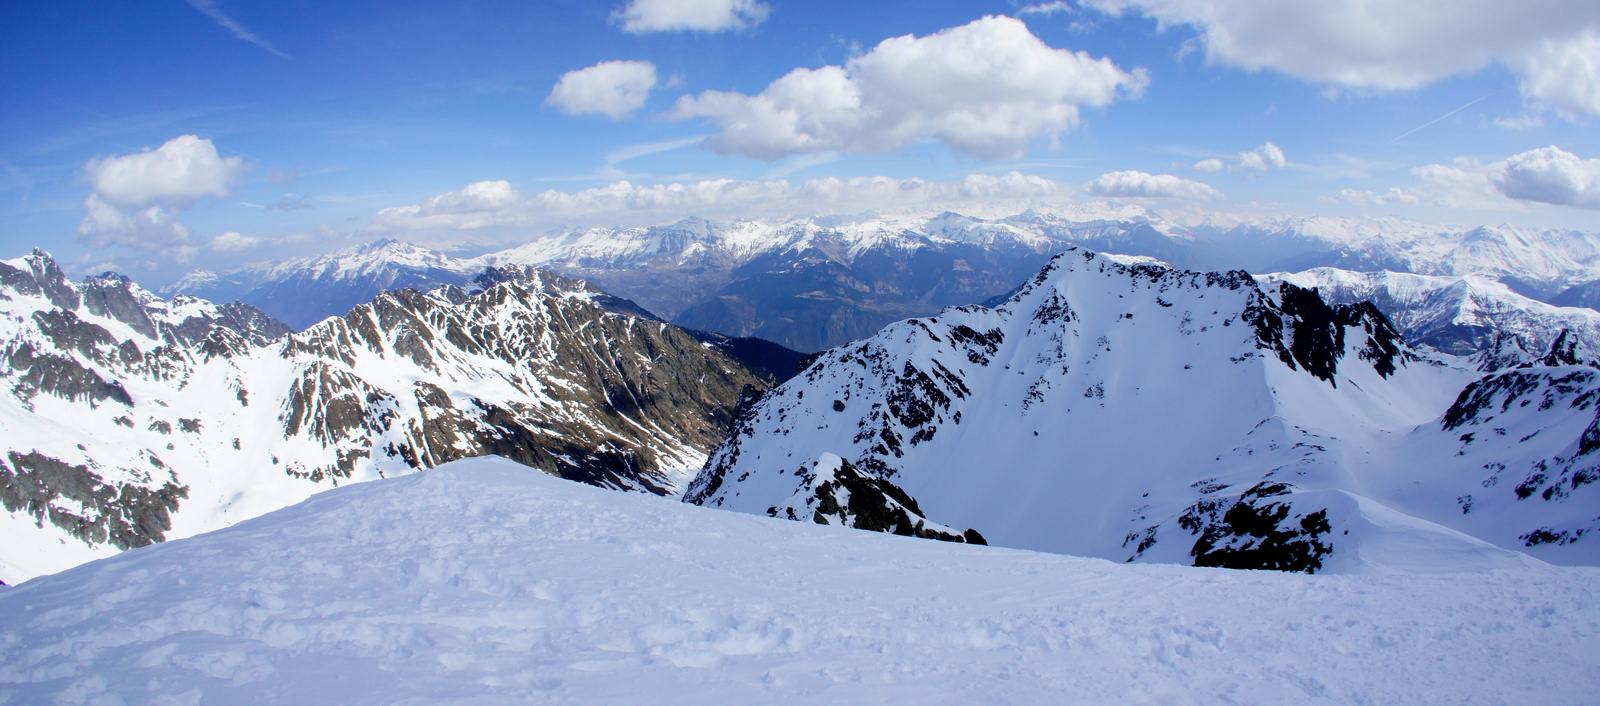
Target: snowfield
486,582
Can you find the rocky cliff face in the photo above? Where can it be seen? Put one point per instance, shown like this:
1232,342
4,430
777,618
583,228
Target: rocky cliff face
129,419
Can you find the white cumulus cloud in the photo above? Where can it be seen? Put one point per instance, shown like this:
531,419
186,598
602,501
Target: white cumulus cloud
615,89
1564,74
642,16
135,199
1208,165
233,241
1552,45
1363,197
1136,184
988,88
181,171
1549,175
1267,156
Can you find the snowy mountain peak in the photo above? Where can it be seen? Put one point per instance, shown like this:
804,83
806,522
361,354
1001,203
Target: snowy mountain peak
371,258
1142,413
1292,323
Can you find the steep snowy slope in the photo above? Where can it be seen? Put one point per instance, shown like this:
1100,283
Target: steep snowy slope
119,432
1128,412
481,583
1516,460
1458,315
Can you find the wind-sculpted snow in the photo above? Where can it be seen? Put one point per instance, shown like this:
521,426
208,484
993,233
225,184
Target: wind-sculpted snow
1143,413
482,583
128,419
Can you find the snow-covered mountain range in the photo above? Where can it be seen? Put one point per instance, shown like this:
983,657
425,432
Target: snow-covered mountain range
1466,315
480,583
1197,409
128,419
1145,413
303,291
813,283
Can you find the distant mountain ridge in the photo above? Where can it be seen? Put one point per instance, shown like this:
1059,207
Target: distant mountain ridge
812,283
1460,315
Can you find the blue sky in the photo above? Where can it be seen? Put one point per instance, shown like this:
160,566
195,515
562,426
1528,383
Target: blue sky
317,125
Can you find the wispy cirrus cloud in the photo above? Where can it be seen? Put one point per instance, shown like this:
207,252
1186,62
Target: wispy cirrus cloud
210,9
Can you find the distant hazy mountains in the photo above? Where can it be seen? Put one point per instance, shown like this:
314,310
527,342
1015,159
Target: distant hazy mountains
817,282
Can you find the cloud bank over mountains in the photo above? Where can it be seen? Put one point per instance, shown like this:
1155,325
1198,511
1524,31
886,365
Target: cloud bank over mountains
1546,175
489,204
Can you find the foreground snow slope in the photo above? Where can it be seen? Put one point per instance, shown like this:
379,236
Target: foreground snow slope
485,582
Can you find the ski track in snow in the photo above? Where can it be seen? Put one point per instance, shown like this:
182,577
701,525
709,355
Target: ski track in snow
484,582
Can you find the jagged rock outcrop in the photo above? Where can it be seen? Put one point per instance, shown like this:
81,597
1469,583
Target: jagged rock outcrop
836,493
